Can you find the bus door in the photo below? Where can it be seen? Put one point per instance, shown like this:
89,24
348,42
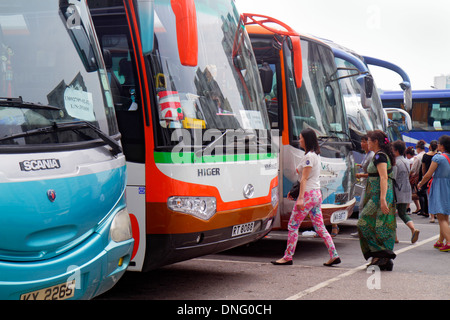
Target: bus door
116,42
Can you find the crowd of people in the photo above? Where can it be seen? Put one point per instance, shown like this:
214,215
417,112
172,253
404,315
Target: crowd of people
394,177
397,177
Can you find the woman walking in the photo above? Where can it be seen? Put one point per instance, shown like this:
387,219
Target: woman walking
423,191
377,224
402,187
309,201
439,197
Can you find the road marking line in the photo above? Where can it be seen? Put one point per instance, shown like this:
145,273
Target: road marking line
354,270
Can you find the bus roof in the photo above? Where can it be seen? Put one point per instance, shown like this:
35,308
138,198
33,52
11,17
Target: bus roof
416,94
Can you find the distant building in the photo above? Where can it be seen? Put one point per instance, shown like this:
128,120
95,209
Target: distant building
442,82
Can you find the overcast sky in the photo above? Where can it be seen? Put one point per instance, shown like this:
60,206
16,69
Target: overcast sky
414,34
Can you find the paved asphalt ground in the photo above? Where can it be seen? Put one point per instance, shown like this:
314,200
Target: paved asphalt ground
245,273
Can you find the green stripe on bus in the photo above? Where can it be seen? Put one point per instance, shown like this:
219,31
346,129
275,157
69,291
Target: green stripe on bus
190,157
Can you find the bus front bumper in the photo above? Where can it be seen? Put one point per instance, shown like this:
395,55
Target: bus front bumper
89,269
164,249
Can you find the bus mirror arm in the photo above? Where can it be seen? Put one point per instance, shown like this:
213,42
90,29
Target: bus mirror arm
293,39
297,52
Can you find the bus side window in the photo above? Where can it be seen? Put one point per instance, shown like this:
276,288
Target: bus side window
269,80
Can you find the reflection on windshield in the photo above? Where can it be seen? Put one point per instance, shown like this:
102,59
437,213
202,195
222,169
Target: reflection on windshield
316,104
360,119
223,91
60,70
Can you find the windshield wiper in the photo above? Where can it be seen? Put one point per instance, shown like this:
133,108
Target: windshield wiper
324,139
245,139
74,126
341,132
213,143
19,103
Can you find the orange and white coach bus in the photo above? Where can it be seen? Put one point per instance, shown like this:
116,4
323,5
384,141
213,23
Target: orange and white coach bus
299,76
202,171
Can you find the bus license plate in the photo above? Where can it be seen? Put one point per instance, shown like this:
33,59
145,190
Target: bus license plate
61,291
243,229
338,216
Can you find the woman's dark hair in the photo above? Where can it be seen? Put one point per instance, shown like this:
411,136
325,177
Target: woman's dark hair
410,151
445,142
433,145
383,143
311,142
364,137
399,146
421,144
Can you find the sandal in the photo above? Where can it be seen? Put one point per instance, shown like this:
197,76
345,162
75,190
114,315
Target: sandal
415,236
438,244
334,231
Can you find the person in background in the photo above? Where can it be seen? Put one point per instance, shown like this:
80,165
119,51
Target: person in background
377,223
416,172
309,201
365,161
409,155
423,192
439,196
368,155
402,187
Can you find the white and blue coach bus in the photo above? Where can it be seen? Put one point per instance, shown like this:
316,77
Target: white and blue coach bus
64,228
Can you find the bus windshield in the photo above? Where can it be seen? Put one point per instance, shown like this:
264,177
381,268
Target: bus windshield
430,114
223,91
360,119
317,103
49,76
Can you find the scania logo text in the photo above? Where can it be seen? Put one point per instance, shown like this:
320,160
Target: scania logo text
41,164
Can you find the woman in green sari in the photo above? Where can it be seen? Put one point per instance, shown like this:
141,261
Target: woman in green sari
377,223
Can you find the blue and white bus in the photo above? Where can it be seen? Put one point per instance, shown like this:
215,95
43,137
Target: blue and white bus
430,113
363,103
65,232
362,100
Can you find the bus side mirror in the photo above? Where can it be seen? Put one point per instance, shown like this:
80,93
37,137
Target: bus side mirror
366,84
329,94
407,95
186,24
266,75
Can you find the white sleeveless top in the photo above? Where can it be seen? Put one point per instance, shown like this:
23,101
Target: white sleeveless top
311,159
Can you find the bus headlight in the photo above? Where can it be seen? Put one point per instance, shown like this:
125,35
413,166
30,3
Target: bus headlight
121,227
274,196
200,207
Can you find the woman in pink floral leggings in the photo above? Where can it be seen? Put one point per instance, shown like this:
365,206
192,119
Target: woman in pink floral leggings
309,201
